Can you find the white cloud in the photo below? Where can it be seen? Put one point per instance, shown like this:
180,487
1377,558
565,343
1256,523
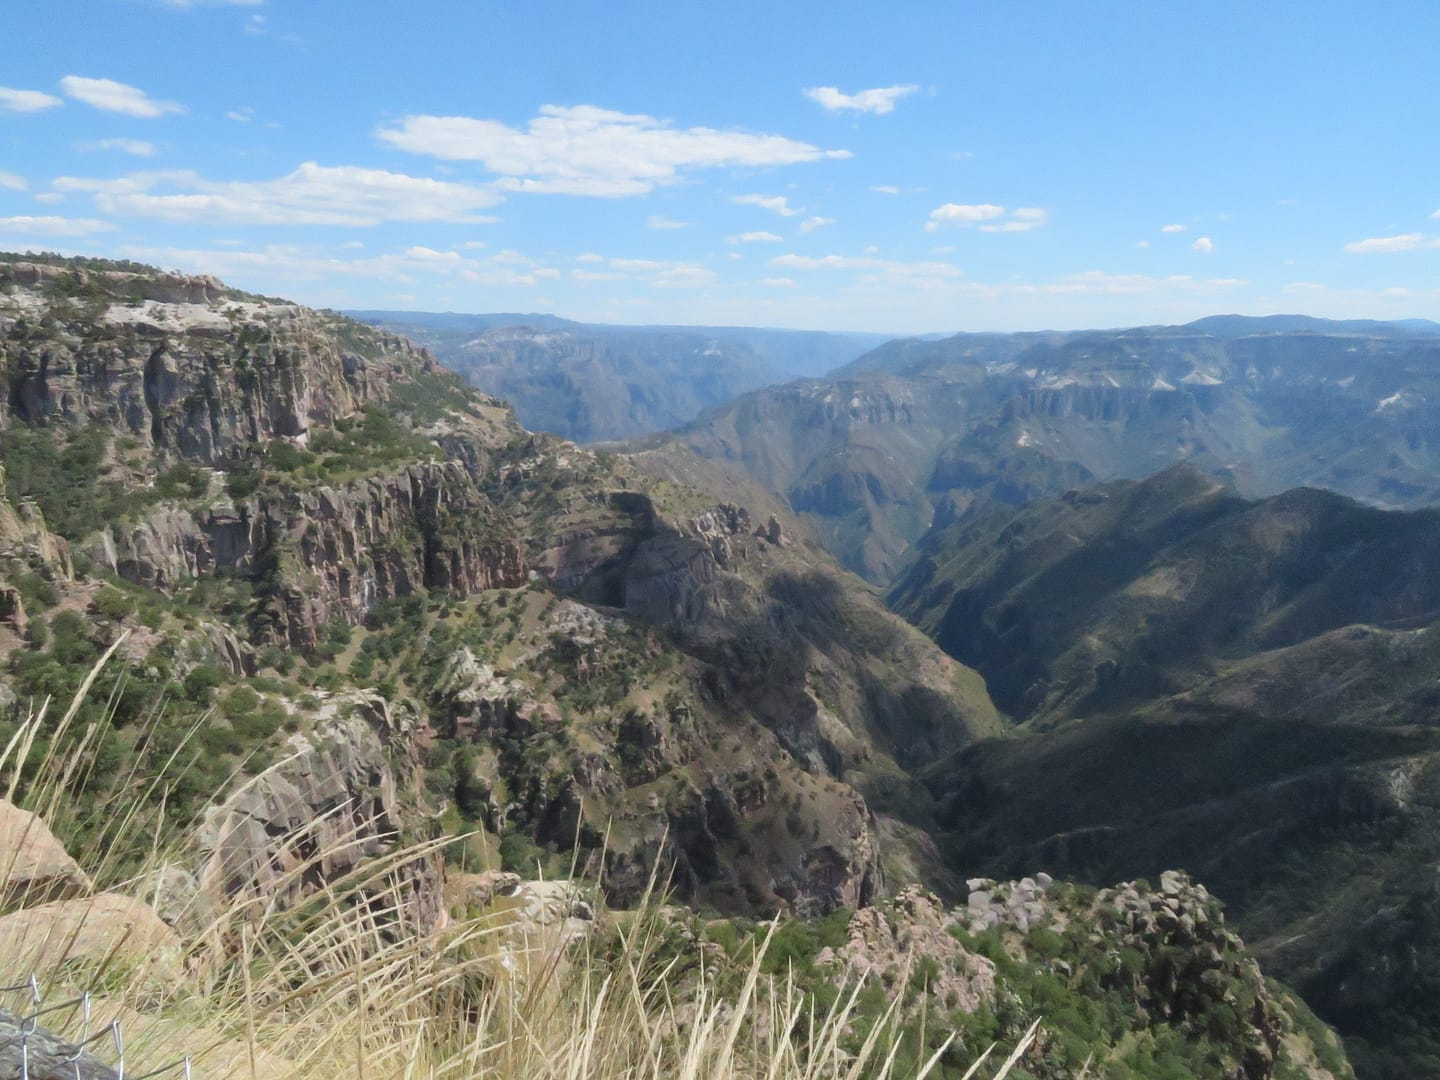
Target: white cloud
1098,281
111,96
1023,219
52,226
779,204
12,100
318,266
863,262
242,115
962,214
1387,245
656,221
1172,228
684,277
885,189
135,147
810,224
584,150
879,101
657,273
754,238
430,255
49,197
1142,243
11,182
311,195
1203,244
586,277
777,282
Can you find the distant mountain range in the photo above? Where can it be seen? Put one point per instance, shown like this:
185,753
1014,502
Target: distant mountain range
919,431
592,383
1247,689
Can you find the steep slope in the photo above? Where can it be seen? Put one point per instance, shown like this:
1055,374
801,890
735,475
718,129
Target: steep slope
1245,689
594,383
1264,404
282,505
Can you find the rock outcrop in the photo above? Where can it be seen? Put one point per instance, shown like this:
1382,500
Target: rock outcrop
330,553
888,942
34,867
310,820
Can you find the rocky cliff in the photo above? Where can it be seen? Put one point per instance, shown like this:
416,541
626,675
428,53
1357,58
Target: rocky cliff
691,679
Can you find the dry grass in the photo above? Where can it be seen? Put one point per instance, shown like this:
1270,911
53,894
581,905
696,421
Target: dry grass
336,990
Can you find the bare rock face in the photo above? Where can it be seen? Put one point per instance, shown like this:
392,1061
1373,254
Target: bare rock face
34,867
890,938
101,932
331,553
311,819
25,537
182,366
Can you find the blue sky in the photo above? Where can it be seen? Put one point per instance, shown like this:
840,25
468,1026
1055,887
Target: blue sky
901,168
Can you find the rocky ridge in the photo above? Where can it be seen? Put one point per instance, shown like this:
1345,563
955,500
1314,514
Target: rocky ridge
285,495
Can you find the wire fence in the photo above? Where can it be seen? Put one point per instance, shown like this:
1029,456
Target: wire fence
30,1051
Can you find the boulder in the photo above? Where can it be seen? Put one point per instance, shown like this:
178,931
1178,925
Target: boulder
99,933
34,866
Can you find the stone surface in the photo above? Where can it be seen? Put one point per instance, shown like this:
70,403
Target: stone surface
315,816
34,867
101,933
890,938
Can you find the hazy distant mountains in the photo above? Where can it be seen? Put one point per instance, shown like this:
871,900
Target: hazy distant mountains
595,383
920,430
1248,689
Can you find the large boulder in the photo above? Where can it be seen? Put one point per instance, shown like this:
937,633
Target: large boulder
94,934
34,866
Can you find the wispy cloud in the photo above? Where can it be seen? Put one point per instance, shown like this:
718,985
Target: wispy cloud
962,214
885,189
864,262
1022,219
242,115
311,195
810,224
657,273
24,101
585,150
1172,228
52,226
321,266
880,100
1388,245
660,222
111,96
754,238
777,282
778,204
134,147
13,182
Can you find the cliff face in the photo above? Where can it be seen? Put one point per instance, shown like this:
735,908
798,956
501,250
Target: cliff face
664,669
332,805
181,363
331,553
